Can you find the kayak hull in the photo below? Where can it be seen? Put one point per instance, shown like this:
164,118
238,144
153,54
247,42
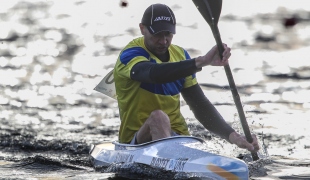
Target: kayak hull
176,154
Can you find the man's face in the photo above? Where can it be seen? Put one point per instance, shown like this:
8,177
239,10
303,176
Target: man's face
158,43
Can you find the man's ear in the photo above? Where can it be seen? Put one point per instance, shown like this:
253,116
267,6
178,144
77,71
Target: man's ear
142,28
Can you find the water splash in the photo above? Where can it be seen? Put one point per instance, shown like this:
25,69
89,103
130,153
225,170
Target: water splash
141,171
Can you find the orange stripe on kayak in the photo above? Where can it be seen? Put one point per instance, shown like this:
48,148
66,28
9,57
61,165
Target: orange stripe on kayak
222,172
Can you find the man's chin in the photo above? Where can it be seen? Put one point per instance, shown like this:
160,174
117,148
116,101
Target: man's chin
161,51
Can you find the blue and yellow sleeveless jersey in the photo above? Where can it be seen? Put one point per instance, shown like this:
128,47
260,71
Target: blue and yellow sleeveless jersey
137,100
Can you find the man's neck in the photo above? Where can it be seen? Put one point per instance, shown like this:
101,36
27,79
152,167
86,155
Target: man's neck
165,57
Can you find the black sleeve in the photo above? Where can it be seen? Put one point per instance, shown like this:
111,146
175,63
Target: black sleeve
205,112
162,73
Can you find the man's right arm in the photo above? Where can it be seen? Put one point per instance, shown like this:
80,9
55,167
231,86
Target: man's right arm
162,73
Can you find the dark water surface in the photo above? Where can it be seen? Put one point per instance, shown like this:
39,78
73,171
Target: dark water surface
53,53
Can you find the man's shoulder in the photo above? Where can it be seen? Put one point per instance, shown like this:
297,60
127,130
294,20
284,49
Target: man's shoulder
132,52
136,42
179,51
177,48
174,46
134,49
136,46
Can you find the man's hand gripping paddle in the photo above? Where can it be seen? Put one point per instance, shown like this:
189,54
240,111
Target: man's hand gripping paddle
211,10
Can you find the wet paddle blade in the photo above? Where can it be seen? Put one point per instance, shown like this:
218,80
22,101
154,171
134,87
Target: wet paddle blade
210,10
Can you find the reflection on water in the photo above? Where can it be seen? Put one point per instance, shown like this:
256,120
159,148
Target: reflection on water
52,56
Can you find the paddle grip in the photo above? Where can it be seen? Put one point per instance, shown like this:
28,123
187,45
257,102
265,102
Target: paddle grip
234,90
217,37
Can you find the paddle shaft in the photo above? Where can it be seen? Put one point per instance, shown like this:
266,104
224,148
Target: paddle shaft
234,90
211,10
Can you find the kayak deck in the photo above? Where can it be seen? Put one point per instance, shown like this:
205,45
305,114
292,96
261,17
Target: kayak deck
176,154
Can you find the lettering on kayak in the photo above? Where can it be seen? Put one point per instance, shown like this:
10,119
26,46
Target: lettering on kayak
159,162
123,158
174,164
179,164
119,147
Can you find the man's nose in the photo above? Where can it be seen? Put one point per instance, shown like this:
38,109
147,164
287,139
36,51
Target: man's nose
163,39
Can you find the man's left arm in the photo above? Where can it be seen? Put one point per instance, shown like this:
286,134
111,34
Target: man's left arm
205,112
211,119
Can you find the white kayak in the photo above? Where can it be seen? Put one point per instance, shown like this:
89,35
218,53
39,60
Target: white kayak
176,154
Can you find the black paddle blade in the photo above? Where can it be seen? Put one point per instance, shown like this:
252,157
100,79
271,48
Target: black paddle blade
210,10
